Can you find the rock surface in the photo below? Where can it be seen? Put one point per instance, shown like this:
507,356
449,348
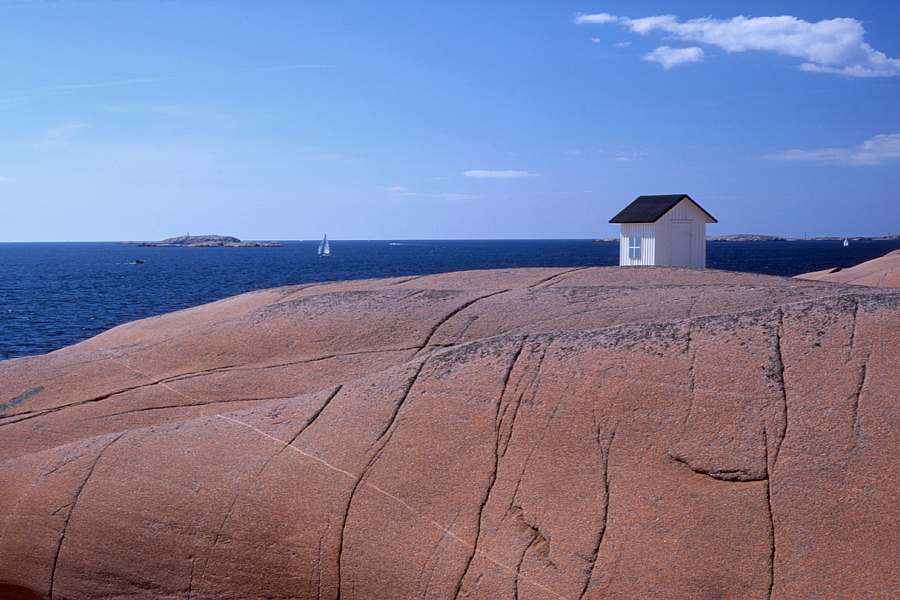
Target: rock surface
209,241
878,272
522,434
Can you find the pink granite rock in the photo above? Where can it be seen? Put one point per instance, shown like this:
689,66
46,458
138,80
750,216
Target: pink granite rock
528,433
878,272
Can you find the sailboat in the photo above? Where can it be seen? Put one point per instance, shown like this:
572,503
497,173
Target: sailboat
324,247
846,242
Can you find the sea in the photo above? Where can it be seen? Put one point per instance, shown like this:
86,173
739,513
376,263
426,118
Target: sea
56,294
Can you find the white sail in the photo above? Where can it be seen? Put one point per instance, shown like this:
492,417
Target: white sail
846,242
324,247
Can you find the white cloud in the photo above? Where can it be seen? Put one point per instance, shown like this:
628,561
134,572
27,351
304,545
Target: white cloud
451,196
596,19
596,40
487,174
672,57
622,44
873,151
628,156
65,131
828,46
298,66
60,136
400,190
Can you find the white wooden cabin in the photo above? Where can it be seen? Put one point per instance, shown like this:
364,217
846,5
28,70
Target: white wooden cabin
666,231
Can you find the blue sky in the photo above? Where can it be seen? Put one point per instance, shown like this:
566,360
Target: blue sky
366,120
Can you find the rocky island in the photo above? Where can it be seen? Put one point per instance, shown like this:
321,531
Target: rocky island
554,434
209,241
745,237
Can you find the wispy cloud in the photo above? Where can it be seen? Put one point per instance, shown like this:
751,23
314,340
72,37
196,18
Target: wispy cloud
828,46
18,96
67,88
505,174
296,67
672,57
628,156
451,196
60,136
191,114
400,190
596,19
622,44
596,40
874,151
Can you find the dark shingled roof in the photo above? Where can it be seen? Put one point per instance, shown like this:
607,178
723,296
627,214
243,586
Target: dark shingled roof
648,209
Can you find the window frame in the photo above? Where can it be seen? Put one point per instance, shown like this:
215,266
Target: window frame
634,247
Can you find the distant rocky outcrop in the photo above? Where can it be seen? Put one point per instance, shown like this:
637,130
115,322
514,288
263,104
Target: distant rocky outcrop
209,241
857,238
554,434
878,272
745,237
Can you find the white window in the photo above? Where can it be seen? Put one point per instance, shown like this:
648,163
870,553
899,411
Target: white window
634,247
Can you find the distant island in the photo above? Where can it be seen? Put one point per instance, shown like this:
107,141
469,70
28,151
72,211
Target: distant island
207,241
758,237
745,237
853,238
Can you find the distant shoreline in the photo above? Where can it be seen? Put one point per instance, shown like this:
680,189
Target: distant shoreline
206,241
279,243
754,237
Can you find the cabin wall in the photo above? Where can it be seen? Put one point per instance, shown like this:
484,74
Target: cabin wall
683,212
647,231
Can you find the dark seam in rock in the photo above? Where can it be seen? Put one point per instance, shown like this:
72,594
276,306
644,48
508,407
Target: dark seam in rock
193,404
309,421
857,395
493,476
387,433
319,567
184,376
518,403
308,360
535,535
600,536
772,550
726,475
693,304
312,418
431,556
396,412
692,381
407,280
531,453
779,372
453,313
557,275
78,492
853,328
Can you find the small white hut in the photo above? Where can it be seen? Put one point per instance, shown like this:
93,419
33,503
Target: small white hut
667,231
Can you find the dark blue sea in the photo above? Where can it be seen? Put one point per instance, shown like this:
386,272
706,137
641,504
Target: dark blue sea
56,294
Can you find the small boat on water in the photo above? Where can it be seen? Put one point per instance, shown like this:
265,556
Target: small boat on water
324,247
846,242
